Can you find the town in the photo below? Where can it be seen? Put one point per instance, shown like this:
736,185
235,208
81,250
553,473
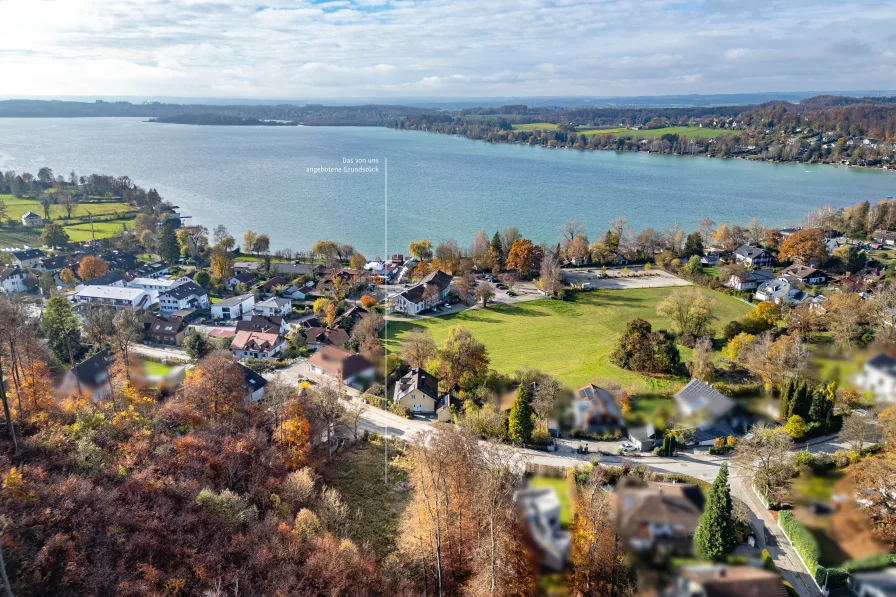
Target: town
658,411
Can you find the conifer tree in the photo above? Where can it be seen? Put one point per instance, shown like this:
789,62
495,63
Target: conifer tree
716,536
786,396
519,424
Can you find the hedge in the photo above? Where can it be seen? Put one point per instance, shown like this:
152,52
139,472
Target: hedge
803,541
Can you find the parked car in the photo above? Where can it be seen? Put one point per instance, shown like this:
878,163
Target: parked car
628,447
510,293
502,287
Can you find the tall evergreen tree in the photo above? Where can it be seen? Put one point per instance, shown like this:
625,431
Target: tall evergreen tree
519,424
786,398
168,247
802,401
818,412
716,536
497,245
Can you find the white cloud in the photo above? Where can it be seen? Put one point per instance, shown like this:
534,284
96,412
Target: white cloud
362,48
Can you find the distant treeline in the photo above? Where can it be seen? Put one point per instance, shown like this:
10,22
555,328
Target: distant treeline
220,120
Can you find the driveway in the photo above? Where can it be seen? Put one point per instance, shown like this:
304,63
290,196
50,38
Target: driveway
160,352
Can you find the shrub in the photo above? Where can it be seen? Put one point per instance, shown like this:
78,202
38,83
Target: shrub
229,506
804,459
541,437
400,410
803,540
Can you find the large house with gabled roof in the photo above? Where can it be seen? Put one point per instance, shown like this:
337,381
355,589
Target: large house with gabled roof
418,391
430,291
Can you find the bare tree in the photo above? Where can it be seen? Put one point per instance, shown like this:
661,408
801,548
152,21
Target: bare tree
857,431
353,414
417,348
765,454
128,330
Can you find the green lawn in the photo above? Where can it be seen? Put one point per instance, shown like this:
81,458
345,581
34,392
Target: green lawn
82,232
156,369
571,340
77,227
17,237
544,126
17,206
558,484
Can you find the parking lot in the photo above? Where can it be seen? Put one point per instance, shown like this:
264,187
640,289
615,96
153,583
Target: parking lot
614,280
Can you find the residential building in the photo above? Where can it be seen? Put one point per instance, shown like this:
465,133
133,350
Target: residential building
541,507
156,269
53,264
595,411
254,384
644,438
233,307
262,344
712,413
12,279
295,269
319,337
720,580
877,583
801,274
260,323
342,365
659,520
752,256
108,279
116,296
274,306
418,391
31,220
878,376
294,292
188,295
779,292
749,279
430,291
272,283
159,284
90,377
247,279
166,329
247,266
27,257
887,237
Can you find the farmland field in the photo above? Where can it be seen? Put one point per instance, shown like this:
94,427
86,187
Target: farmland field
545,126
571,340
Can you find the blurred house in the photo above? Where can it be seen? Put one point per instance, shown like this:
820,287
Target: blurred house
725,581
254,384
712,414
594,410
878,376
541,507
340,364
659,520
879,583
90,377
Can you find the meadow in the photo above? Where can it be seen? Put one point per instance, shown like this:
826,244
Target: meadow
571,340
109,218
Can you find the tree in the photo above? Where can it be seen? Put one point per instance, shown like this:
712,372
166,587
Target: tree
875,480
249,240
166,244
479,249
367,302
851,258
98,324
357,261
737,348
4,211
462,359
690,311
68,203
197,345
222,265
420,249
215,386
54,236
716,536
857,431
887,421
202,278
128,330
765,454
803,246
763,317
775,361
524,257
67,276
701,365
62,330
417,348
845,316
641,349
91,267
328,251
693,246
485,293
795,427
262,244
519,424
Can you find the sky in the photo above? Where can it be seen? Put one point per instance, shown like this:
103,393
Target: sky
306,49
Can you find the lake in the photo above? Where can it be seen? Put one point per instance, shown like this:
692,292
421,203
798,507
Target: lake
294,183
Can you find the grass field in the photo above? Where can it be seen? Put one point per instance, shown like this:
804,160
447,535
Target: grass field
544,126
558,484
571,340
156,369
81,232
77,227
16,207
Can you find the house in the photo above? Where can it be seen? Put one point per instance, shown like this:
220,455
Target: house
259,323
710,257
156,269
245,278
166,329
541,507
430,291
319,337
188,295
340,364
254,384
715,415
878,376
116,296
418,391
274,306
721,580
12,279
247,266
159,284
644,438
779,292
295,269
260,344
801,274
27,257
347,277
108,279
752,256
887,237
269,286
53,264
749,279
295,293
89,377
595,411
659,520
234,307
31,220
878,583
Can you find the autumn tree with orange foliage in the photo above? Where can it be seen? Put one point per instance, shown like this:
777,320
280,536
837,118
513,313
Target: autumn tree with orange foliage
524,257
367,302
804,245
216,385
91,267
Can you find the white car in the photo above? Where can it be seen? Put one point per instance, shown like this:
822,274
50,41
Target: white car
627,447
